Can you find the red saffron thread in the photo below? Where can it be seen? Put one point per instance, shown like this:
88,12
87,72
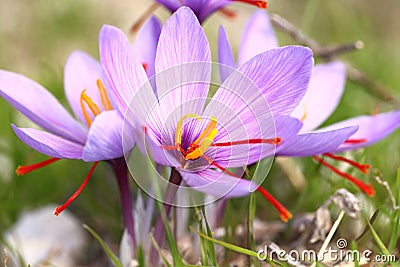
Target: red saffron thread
273,141
259,4
283,212
362,167
62,207
355,141
369,190
21,170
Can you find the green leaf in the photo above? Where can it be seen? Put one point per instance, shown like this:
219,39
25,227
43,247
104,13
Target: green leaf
114,259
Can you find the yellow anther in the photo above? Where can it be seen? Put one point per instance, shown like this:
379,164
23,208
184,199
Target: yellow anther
205,143
305,113
104,96
212,125
179,128
92,106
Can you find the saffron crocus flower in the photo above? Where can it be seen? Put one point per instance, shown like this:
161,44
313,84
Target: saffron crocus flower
321,99
201,142
96,134
204,8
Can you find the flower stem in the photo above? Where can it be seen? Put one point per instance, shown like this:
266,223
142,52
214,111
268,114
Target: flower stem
175,180
121,173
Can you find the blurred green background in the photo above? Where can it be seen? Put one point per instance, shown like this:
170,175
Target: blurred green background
36,38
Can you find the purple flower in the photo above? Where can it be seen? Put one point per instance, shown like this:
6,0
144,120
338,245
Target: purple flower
96,132
96,136
204,8
321,99
235,128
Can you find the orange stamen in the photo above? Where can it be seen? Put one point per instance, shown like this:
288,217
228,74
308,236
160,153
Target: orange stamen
21,170
104,96
355,141
362,167
85,99
303,118
283,212
61,208
259,4
369,190
273,141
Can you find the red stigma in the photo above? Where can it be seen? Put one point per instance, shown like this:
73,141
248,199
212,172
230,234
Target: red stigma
283,212
228,13
145,66
369,190
273,141
259,4
62,207
364,168
355,141
21,170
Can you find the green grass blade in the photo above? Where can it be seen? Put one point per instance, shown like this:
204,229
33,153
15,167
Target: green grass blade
378,241
203,246
231,246
227,245
210,244
153,241
250,237
395,231
113,258
168,232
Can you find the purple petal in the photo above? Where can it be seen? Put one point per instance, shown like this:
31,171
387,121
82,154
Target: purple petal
202,8
105,137
81,72
217,183
49,144
182,40
172,5
40,106
225,55
323,95
281,74
211,7
258,36
314,143
242,109
123,75
150,145
144,48
371,129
